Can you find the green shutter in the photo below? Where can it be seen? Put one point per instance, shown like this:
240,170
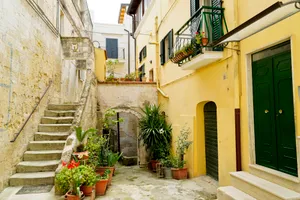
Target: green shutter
162,52
217,30
170,48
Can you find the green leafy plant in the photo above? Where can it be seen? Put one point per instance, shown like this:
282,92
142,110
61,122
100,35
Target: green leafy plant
81,135
182,143
89,176
130,77
105,175
155,132
95,143
69,179
167,161
113,158
177,162
111,66
108,120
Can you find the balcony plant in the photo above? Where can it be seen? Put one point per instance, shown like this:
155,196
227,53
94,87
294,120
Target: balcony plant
81,136
102,183
130,77
111,67
69,180
89,177
179,171
183,53
201,39
155,133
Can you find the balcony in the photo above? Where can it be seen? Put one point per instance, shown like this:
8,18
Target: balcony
194,48
116,54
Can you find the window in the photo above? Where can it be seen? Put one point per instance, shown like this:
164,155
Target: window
142,71
143,54
112,48
166,47
151,75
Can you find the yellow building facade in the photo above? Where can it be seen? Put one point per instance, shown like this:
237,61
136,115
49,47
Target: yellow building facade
100,64
217,91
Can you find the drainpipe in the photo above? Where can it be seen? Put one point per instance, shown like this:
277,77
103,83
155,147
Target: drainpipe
132,35
128,33
157,60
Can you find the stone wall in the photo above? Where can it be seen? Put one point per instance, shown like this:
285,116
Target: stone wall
30,56
127,99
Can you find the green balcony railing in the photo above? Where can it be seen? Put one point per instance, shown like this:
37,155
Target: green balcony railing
200,31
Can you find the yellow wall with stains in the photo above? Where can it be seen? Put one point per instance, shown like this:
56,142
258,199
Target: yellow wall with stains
189,90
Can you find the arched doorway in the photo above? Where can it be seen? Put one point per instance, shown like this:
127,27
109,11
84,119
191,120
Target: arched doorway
211,139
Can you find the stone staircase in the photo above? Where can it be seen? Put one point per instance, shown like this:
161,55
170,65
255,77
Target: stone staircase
44,153
246,186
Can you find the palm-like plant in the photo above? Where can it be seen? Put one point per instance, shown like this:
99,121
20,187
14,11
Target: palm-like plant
81,135
155,131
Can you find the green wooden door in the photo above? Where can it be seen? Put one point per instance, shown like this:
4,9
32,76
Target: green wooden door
211,140
275,142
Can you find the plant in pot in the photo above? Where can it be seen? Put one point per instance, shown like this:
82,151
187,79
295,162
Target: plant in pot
167,164
89,177
201,39
69,180
179,171
155,133
81,136
111,67
102,183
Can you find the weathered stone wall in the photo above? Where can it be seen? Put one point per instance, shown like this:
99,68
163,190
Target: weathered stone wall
127,99
30,56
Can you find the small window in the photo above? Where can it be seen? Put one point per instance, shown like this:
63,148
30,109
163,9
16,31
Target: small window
166,48
142,71
143,54
112,48
151,75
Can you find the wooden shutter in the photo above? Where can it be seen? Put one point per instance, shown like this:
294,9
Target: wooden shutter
162,52
170,45
217,29
112,48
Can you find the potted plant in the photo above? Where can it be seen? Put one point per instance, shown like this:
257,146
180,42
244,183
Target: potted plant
111,67
182,144
89,179
184,52
102,183
201,39
69,180
81,136
167,164
155,133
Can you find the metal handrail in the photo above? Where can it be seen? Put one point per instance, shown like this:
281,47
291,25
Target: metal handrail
17,134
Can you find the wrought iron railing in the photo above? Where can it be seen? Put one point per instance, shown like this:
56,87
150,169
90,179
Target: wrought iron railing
199,32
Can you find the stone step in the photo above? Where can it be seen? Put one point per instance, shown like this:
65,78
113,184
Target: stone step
62,106
46,145
41,136
231,193
37,166
59,113
57,120
260,188
42,155
36,178
54,127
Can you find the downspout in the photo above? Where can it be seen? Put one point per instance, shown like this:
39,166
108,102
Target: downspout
157,60
128,51
133,30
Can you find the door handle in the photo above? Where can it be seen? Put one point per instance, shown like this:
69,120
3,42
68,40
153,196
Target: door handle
280,111
266,111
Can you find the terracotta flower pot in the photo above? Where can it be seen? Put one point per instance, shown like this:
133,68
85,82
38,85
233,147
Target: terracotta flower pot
87,190
153,164
69,196
204,41
179,173
101,170
101,187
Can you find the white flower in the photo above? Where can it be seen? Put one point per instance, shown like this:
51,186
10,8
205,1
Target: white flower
161,131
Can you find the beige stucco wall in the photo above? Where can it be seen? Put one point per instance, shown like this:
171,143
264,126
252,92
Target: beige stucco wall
30,56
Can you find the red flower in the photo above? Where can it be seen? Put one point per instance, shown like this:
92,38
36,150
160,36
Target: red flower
63,163
73,164
197,33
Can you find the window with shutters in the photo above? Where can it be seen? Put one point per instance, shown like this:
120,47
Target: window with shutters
112,48
143,54
166,47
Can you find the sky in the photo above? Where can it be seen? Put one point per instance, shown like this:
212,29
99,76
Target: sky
105,11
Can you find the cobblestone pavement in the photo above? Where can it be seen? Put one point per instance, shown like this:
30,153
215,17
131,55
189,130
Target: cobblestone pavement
134,183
